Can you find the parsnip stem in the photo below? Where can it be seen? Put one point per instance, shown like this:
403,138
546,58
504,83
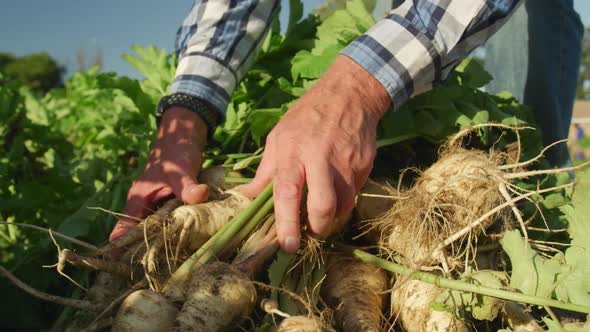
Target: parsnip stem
457,284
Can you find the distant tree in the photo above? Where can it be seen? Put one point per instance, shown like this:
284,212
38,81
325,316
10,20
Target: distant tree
38,71
5,58
584,78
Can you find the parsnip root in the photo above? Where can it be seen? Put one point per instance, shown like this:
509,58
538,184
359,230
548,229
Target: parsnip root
411,300
355,291
146,311
300,324
220,296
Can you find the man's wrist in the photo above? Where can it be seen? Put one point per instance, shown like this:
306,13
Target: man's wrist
347,75
183,124
198,105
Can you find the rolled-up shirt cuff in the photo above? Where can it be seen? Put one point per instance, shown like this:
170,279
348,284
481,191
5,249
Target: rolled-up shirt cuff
374,65
203,89
205,77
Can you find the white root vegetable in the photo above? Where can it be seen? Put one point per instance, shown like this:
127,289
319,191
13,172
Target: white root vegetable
199,222
220,296
146,311
411,300
150,225
355,291
455,190
300,324
453,202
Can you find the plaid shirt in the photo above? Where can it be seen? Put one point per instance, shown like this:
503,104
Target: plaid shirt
414,46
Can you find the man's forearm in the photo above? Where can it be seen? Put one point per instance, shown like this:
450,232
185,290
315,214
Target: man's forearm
349,79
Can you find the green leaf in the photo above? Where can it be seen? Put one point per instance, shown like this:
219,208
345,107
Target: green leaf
481,307
156,65
246,162
573,284
531,273
578,213
277,273
307,65
262,121
295,14
343,26
473,74
370,5
361,11
554,200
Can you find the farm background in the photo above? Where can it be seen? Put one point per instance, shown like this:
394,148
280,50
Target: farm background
79,147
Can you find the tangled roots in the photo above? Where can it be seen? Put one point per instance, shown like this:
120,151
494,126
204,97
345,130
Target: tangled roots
457,189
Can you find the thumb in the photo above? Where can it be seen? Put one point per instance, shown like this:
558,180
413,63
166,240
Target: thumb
194,193
187,189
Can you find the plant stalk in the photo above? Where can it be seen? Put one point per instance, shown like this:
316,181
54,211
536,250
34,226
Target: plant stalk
457,284
228,237
237,180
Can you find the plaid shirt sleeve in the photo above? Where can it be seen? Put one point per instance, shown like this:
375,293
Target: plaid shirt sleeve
216,45
416,45
419,43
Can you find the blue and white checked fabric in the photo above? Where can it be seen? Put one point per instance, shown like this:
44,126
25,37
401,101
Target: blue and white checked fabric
415,46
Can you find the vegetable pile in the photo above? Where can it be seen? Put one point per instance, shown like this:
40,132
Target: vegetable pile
470,230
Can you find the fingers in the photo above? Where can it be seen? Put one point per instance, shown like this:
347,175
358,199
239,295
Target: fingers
287,190
182,180
139,203
264,175
321,198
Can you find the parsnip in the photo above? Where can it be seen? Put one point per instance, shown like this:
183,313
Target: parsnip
355,291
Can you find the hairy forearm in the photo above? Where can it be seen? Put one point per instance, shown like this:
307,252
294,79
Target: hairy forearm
347,78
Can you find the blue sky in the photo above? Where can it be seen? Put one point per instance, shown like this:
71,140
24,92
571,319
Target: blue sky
62,27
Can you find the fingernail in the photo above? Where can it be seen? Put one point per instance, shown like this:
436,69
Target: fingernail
291,244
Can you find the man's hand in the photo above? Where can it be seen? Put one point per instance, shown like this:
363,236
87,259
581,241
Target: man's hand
172,167
327,141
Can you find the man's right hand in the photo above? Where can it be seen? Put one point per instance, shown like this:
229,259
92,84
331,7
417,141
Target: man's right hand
171,169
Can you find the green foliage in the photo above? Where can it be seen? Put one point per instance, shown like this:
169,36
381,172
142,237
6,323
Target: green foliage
6,58
531,273
38,71
157,66
563,276
76,147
